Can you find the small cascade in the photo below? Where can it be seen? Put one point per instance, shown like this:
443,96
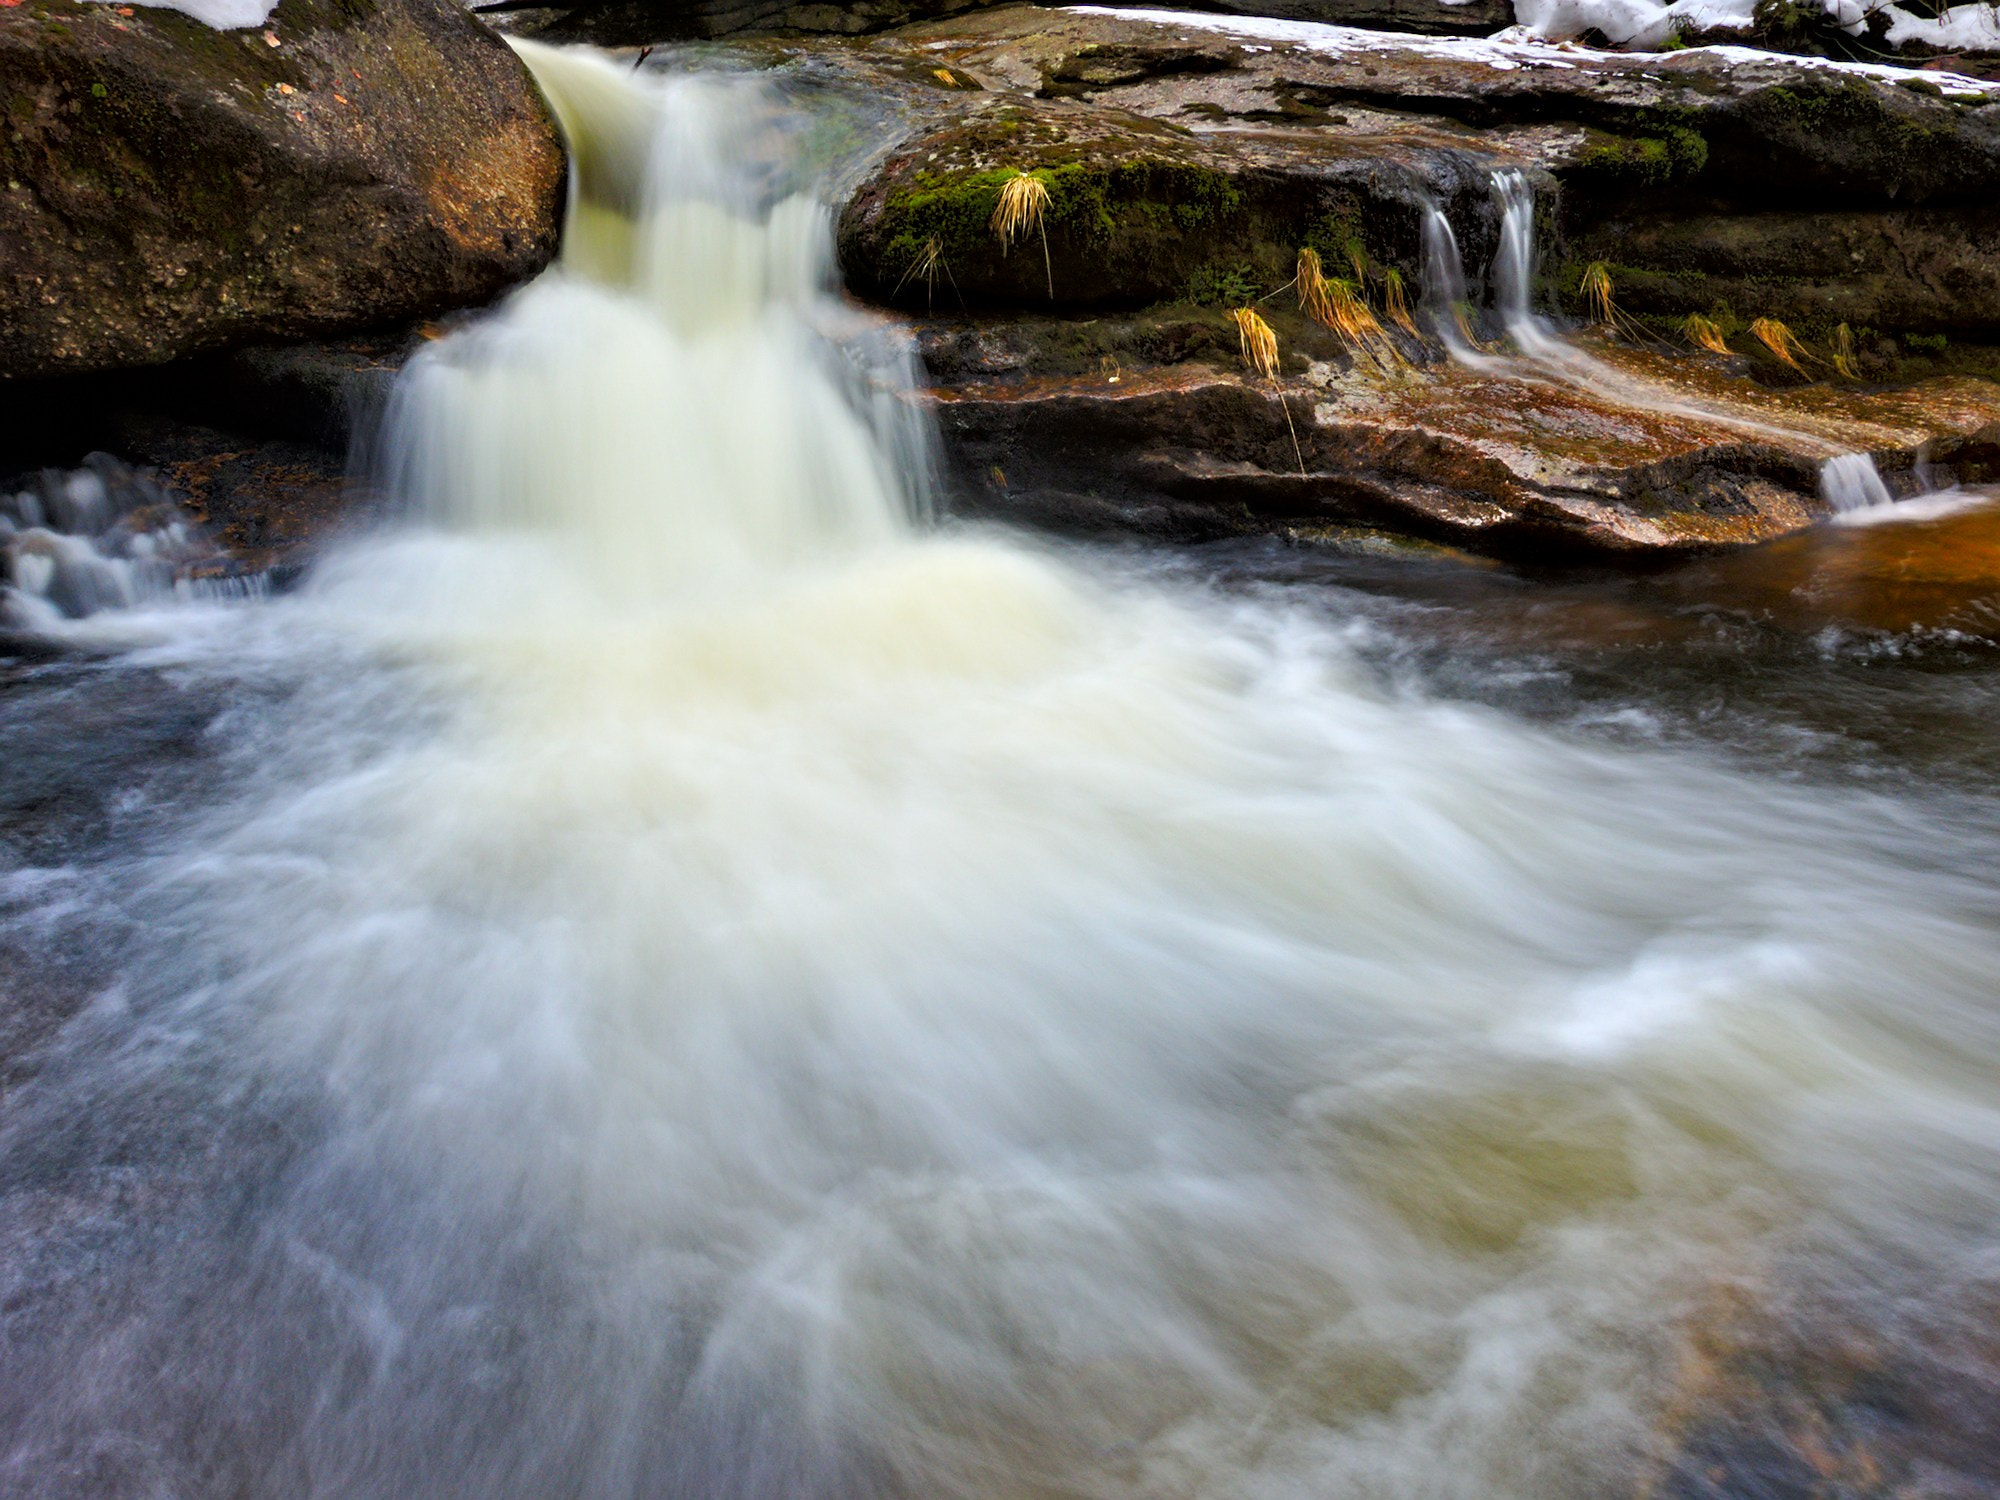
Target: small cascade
1514,296
1850,482
94,538
1514,260
1446,303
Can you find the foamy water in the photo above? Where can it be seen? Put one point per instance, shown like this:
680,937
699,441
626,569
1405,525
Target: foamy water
688,981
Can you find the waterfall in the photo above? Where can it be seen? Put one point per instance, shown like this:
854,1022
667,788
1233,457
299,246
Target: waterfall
1856,493
1851,482
1514,259
1544,355
1514,287
683,401
1446,303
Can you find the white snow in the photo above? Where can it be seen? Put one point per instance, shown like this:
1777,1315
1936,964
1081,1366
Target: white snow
1502,52
1963,28
223,15
1643,24
1518,46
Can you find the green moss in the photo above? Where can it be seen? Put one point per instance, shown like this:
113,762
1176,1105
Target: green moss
1088,205
1928,343
1220,285
1671,153
1336,236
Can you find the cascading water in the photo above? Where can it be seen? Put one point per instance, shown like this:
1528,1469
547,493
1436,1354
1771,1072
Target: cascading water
1851,482
1446,303
1544,354
692,324
1514,268
686,983
95,538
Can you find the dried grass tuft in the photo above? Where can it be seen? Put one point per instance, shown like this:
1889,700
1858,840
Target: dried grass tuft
1596,290
1843,353
924,266
1260,353
1259,344
1396,302
1352,318
1340,304
1024,206
1781,341
1311,282
1704,333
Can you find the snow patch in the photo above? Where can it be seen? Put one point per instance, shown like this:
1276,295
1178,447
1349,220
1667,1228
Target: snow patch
1963,28
1521,47
1646,24
222,15
1505,54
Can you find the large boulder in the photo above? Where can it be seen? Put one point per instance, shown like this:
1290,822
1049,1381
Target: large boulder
167,187
1138,210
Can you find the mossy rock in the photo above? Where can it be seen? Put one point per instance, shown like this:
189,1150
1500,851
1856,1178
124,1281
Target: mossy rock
1925,272
1136,212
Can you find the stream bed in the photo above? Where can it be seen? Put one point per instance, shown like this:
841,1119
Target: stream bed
664,970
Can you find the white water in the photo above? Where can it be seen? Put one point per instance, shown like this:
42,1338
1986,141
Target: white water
1848,481
1856,493
767,1000
96,538
1851,482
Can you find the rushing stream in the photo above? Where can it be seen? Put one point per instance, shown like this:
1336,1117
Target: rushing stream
664,972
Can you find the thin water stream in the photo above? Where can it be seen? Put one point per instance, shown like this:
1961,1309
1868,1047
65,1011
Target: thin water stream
1849,481
664,973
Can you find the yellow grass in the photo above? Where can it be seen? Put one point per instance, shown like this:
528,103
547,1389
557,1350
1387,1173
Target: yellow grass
1781,341
1260,353
1259,344
1843,352
1704,333
1596,289
1023,206
1396,303
1338,303
1311,282
1352,319
924,266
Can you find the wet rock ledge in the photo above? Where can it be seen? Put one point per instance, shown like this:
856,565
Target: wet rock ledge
1089,375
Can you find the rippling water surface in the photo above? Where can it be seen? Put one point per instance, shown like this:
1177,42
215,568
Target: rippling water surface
664,973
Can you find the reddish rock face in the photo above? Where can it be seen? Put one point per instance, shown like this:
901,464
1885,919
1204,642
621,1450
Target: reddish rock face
1496,462
166,188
